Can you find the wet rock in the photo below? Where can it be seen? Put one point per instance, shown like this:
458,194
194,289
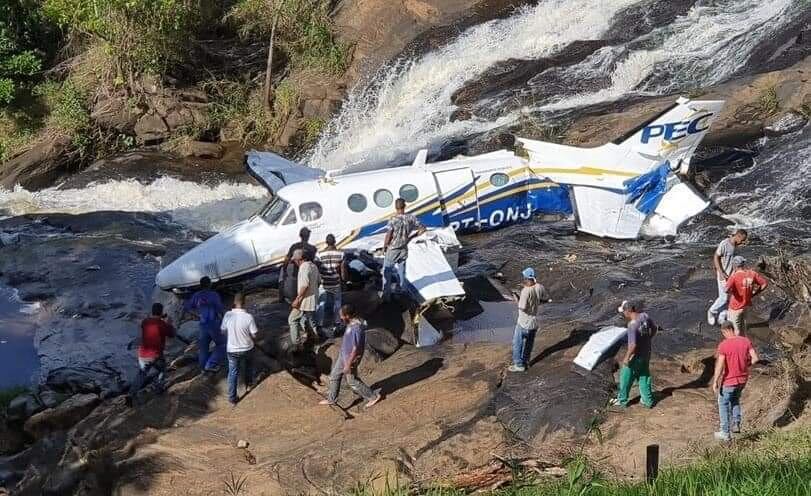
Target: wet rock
75,380
786,123
39,166
24,406
51,398
201,149
61,417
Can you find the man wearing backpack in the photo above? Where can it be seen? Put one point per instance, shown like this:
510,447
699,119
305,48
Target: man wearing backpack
636,363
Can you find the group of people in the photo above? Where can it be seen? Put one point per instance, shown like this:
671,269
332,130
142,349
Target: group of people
737,286
317,309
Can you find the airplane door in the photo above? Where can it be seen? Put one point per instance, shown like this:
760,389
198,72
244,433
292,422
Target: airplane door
458,197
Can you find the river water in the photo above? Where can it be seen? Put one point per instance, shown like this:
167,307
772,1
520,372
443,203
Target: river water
407,105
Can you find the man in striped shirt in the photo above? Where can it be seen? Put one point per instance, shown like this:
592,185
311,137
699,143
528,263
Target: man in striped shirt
333,273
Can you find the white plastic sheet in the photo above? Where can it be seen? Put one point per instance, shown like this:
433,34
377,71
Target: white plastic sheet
598,343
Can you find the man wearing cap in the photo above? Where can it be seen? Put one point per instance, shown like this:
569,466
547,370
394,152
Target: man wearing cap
302,315
636,363
529,305
722,260
742,286
303,245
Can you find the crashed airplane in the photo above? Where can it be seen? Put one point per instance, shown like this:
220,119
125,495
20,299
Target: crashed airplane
612,191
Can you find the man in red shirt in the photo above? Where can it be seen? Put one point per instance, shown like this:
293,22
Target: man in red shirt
742,286
734,356
154,331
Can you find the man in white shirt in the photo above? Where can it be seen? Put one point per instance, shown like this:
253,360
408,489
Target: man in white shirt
302,315
241,331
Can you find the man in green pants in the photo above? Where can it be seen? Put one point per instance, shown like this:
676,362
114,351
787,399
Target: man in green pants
636,363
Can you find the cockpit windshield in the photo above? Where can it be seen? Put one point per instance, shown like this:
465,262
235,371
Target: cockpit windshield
272,212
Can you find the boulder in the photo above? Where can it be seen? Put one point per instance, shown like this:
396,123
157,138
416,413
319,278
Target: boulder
24,406
74,380
311,108
382,341
50,398
39,166
201,149
116,114
151,128
61,417
784,123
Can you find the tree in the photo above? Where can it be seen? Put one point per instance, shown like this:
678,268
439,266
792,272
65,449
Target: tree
26,38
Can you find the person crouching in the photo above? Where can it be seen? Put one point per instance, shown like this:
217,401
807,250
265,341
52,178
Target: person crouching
346,363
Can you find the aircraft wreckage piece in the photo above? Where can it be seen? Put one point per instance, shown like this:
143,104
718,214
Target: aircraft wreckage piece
617,190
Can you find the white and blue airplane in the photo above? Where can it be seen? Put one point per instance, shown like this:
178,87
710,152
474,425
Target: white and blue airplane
618,190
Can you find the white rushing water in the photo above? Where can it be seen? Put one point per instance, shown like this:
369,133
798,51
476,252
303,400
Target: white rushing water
194,205
704,47
408,106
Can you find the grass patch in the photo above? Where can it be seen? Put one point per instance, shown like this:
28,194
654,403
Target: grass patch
776,464
312,130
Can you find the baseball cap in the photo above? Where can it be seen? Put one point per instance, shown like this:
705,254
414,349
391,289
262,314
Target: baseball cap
738,261
528,273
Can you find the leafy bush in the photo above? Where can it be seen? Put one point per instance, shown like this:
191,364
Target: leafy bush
303,31
67,104
142,36
25,38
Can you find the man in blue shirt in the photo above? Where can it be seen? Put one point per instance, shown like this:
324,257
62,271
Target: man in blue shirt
346,363
206,305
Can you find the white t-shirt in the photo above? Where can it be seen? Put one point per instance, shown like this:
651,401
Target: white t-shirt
241,329
308,276
726,250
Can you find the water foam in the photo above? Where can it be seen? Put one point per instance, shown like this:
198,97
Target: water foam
197,206
704,47
409,105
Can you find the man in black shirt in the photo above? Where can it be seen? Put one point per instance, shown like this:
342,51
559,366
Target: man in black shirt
303,245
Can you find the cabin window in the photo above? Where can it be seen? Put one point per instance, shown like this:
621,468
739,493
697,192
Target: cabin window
499,179
409,193
310,212
291,218
356,202
383,198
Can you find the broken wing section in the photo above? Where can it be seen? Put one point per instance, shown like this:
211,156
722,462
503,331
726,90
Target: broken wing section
275,172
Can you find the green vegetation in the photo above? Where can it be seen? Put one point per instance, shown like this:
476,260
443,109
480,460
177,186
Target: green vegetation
312,129
768,102
303,31
8,394
777,464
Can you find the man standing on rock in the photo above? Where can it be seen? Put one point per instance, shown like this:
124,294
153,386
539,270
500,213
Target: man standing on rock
734,357
636,363
529,306
304,244
743,285
207,306
403,228
333,273
154,331
302,315
722,260
241,330
346,363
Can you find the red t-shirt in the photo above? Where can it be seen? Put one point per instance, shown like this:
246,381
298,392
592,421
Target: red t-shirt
736,354
154,332
740,286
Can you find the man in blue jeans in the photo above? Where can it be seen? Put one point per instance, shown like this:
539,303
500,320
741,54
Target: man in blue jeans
734,357
241,330
529,305
206,305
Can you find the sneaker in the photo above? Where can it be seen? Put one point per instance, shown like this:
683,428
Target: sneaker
615,402
736,429
372,402
723,436
233,403
711,318
326,402
517,368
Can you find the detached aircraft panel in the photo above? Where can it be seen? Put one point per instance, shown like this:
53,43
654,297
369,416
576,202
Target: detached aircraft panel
606,213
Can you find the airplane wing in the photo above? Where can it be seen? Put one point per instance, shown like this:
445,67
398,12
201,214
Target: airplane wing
275,172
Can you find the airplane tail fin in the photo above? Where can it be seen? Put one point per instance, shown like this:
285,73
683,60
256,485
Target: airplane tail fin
674,134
